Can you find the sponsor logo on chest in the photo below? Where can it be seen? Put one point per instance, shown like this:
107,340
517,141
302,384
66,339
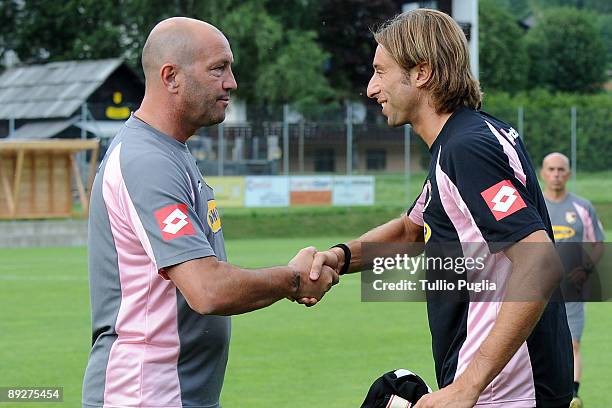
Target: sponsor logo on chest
213,217
562,232
426,231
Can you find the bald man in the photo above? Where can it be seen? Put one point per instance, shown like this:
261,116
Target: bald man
574,222
161,289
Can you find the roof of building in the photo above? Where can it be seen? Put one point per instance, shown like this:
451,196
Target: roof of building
53,90
44,129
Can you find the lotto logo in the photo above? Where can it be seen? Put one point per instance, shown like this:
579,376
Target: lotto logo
503,199
173,221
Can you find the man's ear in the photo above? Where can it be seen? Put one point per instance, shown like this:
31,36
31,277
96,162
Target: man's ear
423,74
168,73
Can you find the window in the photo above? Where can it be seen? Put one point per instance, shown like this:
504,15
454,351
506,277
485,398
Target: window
325,160
376,159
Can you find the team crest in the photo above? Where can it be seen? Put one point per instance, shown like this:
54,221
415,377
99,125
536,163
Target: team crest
213,217
570,217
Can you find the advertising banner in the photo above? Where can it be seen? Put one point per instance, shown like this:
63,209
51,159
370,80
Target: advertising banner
311,190
229,191
353,190
267,191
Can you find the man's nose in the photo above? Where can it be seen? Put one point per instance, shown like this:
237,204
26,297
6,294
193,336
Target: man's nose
373,87
230,83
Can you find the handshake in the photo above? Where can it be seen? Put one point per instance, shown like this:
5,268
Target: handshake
314,274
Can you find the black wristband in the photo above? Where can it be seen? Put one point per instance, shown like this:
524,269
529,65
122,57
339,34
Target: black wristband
347,257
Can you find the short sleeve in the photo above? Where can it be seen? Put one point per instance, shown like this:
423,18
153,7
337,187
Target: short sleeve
159,201
415,212
598,230
500,203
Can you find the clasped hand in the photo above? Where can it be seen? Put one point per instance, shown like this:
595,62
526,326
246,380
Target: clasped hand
318,272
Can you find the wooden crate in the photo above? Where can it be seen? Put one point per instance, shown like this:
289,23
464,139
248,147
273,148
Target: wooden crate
36,177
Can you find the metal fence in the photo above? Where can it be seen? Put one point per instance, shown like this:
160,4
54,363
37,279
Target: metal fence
356,140
351,140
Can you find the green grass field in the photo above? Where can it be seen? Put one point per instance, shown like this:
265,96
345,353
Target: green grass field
285,355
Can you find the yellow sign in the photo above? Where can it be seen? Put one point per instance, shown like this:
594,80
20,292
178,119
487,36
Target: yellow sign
117,112
213,217
427,231
117,98
229,191
562,232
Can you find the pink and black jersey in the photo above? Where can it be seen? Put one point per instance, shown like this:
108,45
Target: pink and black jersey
151,209
482,190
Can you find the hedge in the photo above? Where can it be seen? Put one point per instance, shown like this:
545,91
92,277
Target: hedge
547,124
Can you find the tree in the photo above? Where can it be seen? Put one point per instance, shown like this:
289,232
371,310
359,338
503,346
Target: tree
601,6
8,17
295,14
604,23
296,74
519,8
344,32
48,30
566,52
263,46
274,65
503,56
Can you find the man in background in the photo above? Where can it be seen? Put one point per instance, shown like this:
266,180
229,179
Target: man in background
574,222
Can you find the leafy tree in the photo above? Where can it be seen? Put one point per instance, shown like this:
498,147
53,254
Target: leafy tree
519,8
602,6
8,11
344,32
604,22
566,52
274,65
264,47
295,14
295,75
503,56
48,30
547,124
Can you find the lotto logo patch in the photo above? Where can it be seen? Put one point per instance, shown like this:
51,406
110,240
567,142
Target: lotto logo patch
503,199
173,221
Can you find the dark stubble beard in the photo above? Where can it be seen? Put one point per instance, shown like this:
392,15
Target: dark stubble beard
203,110
200,106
